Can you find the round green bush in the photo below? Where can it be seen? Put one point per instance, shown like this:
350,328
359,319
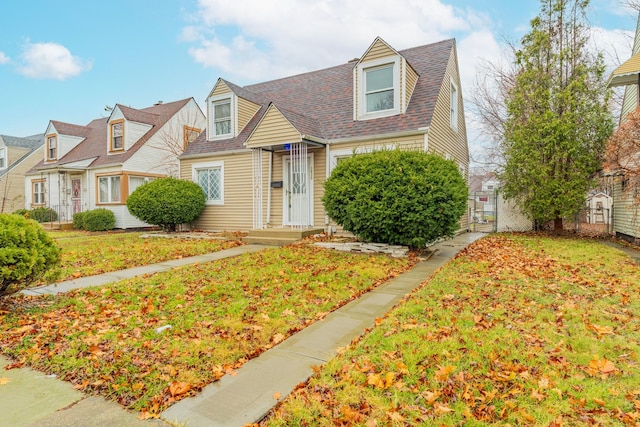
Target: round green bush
398,197
100,219
78,220
167,202
26,251
43,214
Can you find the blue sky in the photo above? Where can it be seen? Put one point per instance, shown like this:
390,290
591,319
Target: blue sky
67,60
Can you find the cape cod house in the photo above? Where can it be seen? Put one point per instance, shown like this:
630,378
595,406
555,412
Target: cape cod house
100,164
269,147
17,156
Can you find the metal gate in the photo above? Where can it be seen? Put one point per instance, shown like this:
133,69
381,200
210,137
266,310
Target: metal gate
483,215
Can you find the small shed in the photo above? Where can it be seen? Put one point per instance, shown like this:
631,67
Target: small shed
599,208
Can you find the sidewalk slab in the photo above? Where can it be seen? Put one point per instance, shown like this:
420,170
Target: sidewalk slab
249,394
116,276
28,395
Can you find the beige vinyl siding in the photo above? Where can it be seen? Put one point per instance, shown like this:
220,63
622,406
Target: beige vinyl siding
442,138
246,111
410,84
626,217
220,89
13,182
14,153
377,51
273,129
237,211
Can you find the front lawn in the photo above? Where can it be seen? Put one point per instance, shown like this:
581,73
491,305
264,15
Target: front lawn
148,342
518,330
86,254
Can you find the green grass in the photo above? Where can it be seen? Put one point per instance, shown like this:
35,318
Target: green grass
87,254
518,330
221,313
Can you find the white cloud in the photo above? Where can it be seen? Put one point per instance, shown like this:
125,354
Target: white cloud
254,40
4,59
50,61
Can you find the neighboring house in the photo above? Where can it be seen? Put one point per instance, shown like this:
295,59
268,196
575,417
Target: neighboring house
626,190
269,147
17,156
100,164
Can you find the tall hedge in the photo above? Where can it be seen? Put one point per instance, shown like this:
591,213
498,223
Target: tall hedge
398,197
26,251
167,202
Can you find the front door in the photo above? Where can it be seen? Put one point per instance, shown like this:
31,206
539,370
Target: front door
76,195
298,191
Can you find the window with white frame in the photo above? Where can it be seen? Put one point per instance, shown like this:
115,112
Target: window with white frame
378,88
109,189
137,181
221,117
37,192
453,102
3,158
210,177
52,147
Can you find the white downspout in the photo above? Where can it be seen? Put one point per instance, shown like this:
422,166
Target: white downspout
327,228
269,189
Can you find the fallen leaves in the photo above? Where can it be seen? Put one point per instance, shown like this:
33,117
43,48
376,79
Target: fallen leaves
496,337
4,381
115,340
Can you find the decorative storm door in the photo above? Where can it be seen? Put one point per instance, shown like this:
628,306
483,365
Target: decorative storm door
298,189
76,195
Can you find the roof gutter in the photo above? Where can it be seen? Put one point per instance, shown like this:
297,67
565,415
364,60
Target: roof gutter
419,131
214,154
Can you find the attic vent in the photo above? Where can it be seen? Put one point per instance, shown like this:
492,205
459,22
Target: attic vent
158,103
353,60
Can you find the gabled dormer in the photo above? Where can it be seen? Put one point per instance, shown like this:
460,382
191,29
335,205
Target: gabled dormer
125,127
383,82
60,138
227,111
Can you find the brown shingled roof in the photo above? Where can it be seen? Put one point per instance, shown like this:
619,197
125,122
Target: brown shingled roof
95,143
320,103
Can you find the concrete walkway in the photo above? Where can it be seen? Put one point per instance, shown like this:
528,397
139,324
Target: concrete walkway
114,276
247,396
31,398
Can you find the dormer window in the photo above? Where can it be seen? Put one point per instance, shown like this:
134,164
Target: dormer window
117,136
379,88
52,147
222,117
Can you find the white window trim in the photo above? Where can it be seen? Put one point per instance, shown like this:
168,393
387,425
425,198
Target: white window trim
109,189
4,163
349,152
210,165
211,126
362,99
454,107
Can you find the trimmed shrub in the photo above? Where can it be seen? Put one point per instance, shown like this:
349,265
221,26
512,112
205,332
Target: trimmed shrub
26,251
78,220
43,214
167,202
100,219
398,197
